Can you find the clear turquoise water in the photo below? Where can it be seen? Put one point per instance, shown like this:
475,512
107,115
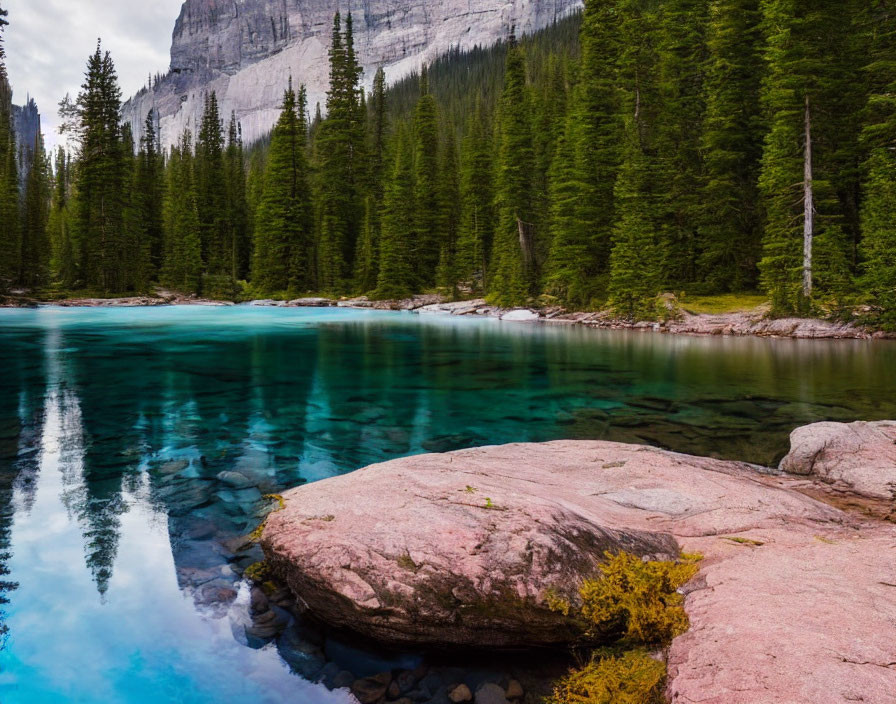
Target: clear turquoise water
115,424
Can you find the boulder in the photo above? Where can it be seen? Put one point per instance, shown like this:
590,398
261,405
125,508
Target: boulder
856,458
490,693
795,600
465,548
371,689
521,316
460,694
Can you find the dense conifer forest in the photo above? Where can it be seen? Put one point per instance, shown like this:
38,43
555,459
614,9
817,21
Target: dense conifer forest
698,146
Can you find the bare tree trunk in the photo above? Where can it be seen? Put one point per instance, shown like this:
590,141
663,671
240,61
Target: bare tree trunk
809,208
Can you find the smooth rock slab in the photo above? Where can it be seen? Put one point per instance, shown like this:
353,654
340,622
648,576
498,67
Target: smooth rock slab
857,458
808,616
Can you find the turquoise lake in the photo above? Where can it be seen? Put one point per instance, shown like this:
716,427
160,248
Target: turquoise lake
117,526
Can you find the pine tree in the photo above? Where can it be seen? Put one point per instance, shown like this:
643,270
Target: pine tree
9,175
587,162
879,227
211,198
366,257
477,203
730,222
98,222
62,263
879,139
133,243
635,262
681,56
449,227
805,246
284,222
340,159
513,261
182,268
148,195
426,186
237,221
396,274
34,245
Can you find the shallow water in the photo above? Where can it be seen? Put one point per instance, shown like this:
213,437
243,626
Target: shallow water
115,425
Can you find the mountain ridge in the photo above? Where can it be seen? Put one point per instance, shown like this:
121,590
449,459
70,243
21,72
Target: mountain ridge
245,50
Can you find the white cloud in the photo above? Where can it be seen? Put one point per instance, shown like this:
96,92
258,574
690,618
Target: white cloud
48,42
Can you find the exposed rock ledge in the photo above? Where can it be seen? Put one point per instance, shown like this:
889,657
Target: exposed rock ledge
795,600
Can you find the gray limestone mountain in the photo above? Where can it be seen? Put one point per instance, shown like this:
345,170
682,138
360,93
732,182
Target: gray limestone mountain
245,50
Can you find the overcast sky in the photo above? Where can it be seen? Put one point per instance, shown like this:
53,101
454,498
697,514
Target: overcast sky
48,42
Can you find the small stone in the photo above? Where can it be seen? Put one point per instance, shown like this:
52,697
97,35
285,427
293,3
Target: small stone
514,690
394,690
235,479
490,693
460,693
370,689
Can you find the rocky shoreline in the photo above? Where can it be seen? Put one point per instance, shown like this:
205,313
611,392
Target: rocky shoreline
748,323
794,600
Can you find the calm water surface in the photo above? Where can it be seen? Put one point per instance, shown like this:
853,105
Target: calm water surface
116,425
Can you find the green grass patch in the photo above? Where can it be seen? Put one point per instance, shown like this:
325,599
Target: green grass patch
723,303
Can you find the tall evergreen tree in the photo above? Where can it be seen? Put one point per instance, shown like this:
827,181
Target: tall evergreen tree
9,175
449,227
148,195
585,168
211,198
635,262
182,268
340,159
284,222
237,222
477,203
730,228
681,56
396,275
62,264
513,262
366,258
879,140
34,244
805,242
426,185
101,176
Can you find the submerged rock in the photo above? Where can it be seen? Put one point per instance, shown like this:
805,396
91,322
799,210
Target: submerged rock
857,458
794,601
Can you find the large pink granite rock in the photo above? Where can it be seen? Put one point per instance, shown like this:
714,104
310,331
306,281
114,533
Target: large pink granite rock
463,548
855,458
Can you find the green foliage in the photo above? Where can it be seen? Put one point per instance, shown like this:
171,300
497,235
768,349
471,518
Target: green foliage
730,226
34,243
258,572
638,599
636,148
633,677
879,245
586,165
513,260
284,219
182,267
803,83
396,275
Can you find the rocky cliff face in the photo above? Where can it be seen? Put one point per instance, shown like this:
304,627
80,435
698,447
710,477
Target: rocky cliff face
26,123
245,50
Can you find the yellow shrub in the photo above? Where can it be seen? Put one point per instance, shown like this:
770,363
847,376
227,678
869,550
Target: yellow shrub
639,597
631,678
